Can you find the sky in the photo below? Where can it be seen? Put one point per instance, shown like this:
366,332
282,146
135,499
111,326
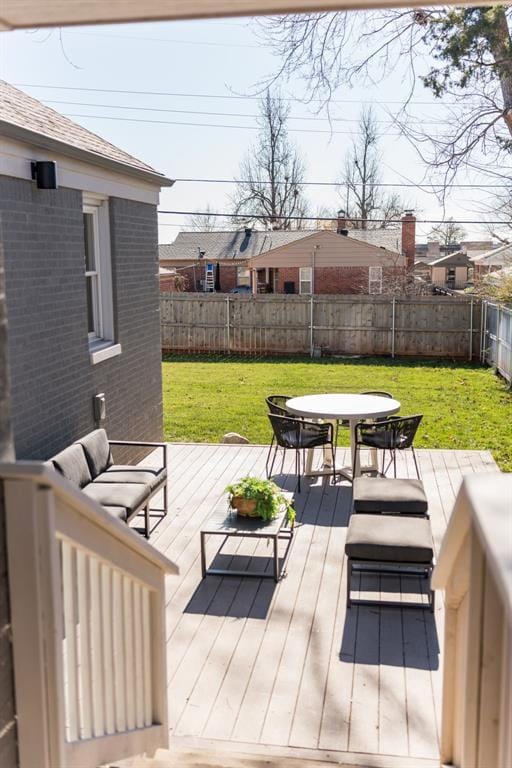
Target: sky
182,97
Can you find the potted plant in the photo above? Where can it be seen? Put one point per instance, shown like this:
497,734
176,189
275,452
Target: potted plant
254,497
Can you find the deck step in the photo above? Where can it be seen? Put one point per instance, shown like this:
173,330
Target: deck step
206,758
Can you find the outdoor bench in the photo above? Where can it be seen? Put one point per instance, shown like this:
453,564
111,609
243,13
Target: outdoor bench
122,489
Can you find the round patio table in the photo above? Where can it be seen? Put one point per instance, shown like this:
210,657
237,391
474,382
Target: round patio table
338,407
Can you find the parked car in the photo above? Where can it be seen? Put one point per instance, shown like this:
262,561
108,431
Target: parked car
241,289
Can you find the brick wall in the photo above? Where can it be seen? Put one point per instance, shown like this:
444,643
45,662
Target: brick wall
52,379
339,280
228,277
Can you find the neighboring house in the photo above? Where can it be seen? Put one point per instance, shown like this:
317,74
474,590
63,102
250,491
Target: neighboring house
492,260
81,272
450,271
282,262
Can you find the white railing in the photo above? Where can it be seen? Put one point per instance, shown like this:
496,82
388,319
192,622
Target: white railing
496,342
475,570
88,622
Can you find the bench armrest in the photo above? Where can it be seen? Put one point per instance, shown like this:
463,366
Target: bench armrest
142,444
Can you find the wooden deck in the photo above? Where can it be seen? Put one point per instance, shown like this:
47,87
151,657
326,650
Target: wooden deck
284,669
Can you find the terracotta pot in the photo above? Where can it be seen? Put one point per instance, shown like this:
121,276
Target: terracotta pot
244,507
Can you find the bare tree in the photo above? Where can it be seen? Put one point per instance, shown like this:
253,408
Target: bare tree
204,222
361,177
272,172
472,51
448,233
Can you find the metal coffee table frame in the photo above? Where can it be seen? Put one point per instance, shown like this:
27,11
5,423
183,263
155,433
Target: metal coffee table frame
226,523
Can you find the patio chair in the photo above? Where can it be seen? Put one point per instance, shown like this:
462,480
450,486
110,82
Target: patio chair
394,434
298,435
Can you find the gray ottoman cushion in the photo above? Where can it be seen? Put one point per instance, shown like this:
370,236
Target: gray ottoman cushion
124,473
71,463
97,451
389,539
130,496
382,494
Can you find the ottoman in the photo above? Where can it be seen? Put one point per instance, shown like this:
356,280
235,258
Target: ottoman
389,495
388,545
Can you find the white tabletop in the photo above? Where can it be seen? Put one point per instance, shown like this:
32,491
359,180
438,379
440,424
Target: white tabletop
343,406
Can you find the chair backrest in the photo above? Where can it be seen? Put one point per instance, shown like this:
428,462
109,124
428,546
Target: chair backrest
377,393
286,430
277,404
396,432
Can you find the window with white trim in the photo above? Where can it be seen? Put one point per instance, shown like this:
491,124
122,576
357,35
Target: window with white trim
375,280
243,276
305,279
98,277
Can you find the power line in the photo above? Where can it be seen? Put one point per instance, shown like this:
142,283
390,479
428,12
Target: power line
220,114
164,40
229,96
211,125
411,184
263,217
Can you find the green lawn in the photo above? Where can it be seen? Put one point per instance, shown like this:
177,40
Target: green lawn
464,406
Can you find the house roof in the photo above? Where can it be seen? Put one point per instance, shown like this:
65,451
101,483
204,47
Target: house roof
498,256
226,246
391,239
238,245
24,118
457,259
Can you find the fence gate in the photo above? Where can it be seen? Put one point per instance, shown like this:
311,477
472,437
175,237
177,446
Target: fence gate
496,348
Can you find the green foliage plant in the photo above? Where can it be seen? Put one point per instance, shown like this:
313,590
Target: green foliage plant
268,496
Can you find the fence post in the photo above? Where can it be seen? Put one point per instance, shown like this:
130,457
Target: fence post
228,328
482,330
393,311
471,330
311,334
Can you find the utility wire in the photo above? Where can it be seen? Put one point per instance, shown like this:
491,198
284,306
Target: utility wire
222,114
211,125
229,96
266,217
342,184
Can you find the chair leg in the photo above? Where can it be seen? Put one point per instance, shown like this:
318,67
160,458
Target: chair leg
333,465
269,472
166,498
415,462
297,468
394,461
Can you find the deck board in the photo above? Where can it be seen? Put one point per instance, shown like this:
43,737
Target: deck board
285,667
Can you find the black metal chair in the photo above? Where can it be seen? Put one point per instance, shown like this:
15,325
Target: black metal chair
394,434
298,434
277,404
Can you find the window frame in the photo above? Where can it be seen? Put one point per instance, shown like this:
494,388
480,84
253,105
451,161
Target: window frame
102,339
308,280
375,281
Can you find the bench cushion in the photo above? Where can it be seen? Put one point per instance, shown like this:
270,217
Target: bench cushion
130,495
120,512
389,539
125,473
97,451
382,494
71,463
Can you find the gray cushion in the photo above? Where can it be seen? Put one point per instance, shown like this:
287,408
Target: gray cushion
71,462
382,494
389,539
97,451
124,473
130,496
119,512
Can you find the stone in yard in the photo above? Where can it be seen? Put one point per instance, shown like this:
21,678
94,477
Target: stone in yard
234,437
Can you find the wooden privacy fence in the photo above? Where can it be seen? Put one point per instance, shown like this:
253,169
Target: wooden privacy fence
434,326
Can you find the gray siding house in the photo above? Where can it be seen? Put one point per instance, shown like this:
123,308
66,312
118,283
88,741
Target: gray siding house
81,275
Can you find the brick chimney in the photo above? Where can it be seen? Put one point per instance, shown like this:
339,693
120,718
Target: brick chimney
341,224
409,238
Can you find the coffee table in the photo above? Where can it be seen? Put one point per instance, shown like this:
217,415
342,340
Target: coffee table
337,407
225,522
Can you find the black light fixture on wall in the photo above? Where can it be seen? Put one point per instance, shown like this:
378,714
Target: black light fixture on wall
45,174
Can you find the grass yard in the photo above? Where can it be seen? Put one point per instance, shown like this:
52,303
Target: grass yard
464,406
